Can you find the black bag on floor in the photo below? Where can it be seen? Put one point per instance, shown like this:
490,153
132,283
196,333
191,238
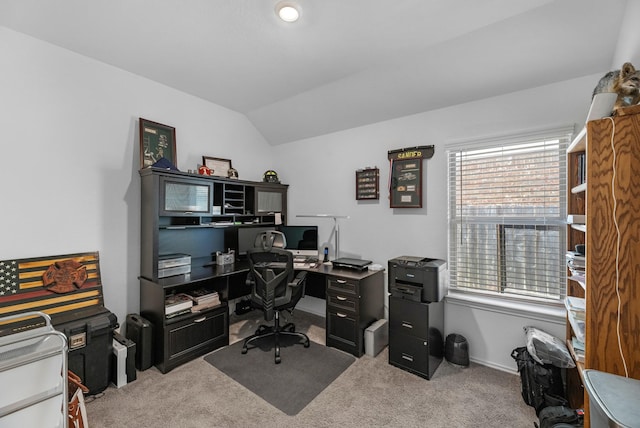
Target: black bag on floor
559,417
542,384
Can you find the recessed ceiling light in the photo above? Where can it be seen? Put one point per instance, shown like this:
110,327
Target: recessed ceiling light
288,12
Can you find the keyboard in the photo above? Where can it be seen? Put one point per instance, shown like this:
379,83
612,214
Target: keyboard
303,265
299,259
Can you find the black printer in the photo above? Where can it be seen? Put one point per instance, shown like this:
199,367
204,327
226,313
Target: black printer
417,279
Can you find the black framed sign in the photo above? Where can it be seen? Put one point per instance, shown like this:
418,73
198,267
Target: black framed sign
405,186
156,141
367,183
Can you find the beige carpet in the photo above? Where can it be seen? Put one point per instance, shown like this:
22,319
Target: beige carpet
370,393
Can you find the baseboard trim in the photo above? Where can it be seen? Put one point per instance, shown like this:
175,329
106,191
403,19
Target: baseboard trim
489,364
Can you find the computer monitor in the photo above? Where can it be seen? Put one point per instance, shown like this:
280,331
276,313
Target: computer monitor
246,237
301,240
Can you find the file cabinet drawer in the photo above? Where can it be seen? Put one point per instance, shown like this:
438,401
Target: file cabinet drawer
342,285
408,317
340,300
410,353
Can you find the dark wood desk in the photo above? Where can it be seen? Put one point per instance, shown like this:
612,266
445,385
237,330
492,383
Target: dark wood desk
354,301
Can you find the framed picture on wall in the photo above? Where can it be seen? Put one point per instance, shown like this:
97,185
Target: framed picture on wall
157,141
405,184
219,166
367,184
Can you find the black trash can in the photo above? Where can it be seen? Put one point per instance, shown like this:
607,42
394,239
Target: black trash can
140,331
456,350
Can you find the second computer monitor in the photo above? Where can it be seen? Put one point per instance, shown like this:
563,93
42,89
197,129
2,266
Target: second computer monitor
301,240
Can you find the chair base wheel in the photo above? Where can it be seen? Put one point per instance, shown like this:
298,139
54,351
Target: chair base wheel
276,331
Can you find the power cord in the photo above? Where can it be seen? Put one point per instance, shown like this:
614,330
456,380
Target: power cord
615,221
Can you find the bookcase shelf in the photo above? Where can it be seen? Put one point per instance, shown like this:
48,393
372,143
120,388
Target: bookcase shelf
579,188
580,227
610,272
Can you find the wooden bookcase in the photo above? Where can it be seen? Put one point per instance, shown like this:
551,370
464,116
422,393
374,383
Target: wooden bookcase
611,201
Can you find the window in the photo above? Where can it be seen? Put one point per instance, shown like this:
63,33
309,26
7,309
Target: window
507,226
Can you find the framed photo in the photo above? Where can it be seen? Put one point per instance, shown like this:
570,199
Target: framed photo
156,141
405,184
367,184
219,166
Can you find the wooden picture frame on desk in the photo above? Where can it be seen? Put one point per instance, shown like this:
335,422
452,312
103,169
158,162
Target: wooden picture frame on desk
156,141
219,166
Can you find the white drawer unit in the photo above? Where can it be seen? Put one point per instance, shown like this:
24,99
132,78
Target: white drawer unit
33,372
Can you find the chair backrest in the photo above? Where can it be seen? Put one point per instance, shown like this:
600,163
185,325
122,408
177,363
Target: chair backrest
270,239
271,269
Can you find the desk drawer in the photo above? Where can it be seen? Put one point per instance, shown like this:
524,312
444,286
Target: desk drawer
342,285
343,332
196,335
341,300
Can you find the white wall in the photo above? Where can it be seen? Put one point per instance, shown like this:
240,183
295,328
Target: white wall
322,176
70,156
628,49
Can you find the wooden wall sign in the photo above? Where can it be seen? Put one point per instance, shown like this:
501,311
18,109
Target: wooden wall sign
405,186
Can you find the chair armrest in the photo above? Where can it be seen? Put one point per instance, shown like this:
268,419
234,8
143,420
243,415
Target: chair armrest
299,280
249,280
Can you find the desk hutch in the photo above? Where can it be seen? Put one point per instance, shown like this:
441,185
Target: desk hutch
188,214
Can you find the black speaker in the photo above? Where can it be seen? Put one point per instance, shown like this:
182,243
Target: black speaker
140,331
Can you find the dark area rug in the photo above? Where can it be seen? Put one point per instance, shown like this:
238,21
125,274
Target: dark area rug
289,386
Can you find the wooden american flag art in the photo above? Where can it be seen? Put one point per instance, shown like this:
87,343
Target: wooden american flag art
53,285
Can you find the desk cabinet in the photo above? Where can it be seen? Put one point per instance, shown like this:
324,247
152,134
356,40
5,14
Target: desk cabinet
184,337
355,300
196,335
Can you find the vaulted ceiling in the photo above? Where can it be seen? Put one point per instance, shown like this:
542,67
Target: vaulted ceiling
345,63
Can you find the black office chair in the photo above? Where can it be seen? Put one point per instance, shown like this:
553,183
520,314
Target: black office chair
273,288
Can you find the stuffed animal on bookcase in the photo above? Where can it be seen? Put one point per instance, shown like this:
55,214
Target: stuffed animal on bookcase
624,82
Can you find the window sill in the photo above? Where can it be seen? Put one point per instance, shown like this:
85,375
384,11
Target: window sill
537,311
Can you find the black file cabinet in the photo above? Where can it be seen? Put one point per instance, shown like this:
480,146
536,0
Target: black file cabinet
415,335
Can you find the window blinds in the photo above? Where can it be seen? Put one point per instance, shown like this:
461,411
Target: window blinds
507,225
